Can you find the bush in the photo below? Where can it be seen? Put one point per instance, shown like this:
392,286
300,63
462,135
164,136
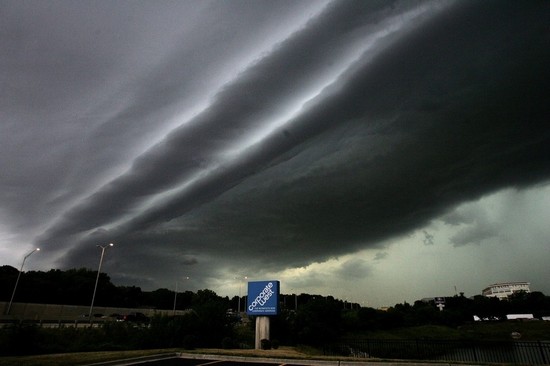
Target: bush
265,344
229,343
189,341
244,336
19,339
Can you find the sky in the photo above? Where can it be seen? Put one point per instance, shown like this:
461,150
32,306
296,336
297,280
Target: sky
376,151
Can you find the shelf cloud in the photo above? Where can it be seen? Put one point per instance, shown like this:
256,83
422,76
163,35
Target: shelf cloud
296,140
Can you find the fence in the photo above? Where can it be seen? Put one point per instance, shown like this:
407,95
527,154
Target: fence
57,316
515,352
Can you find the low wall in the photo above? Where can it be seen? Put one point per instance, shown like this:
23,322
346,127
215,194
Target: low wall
53,312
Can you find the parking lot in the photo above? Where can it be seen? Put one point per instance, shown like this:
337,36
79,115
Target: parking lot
187,359
191,362
222,360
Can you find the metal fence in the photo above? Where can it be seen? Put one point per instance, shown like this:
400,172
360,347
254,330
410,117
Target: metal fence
514,352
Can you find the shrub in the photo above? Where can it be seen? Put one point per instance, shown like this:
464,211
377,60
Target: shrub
229,343
189,342
265,344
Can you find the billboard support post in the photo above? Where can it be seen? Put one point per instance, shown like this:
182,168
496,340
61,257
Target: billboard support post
262,330
262,302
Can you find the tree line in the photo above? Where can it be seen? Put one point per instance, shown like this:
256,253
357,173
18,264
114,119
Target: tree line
306,319
75,286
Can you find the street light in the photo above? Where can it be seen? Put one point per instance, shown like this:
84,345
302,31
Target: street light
19,275
176,296
97,278
295,299
240,283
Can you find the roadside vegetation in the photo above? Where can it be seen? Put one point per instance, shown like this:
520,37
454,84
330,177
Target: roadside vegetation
305,321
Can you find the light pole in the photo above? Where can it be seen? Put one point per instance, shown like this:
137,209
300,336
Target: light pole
240,283
176,296
19,275
295,299
97,278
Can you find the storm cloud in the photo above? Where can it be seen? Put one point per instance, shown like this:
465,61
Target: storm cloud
214,140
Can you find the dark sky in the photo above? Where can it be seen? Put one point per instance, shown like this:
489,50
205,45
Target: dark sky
379,151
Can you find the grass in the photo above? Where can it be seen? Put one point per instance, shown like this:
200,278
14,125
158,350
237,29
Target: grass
81,358
87,358
530,330
419,332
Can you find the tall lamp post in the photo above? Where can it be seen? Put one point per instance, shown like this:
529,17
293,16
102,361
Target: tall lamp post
240,283
97,278
176,296
19,275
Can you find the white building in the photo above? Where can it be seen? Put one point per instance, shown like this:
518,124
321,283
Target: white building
505,289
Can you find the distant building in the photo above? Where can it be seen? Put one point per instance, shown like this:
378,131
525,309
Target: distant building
519,316
504,290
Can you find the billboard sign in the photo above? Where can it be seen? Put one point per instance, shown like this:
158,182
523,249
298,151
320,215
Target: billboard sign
263,298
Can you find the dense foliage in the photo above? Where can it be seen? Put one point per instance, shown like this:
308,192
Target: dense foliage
304,319
75,286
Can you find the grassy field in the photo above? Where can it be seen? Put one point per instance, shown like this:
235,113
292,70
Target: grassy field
87,358
83,358
530,330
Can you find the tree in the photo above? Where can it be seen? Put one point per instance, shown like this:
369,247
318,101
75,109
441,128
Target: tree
318,322
214,323
162,298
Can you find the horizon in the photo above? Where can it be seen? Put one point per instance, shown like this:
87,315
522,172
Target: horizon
376,151
244,294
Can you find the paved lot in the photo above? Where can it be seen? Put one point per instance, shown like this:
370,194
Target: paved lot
268,362
220,361
183,359
188,362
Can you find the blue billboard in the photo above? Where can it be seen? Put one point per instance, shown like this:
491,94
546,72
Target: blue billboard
263,298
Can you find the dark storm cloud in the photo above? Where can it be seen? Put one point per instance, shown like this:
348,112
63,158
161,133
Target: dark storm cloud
406,116
380,256
87,85
260,93
473,235
354,268
456,218
458,106
342,187
428,238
